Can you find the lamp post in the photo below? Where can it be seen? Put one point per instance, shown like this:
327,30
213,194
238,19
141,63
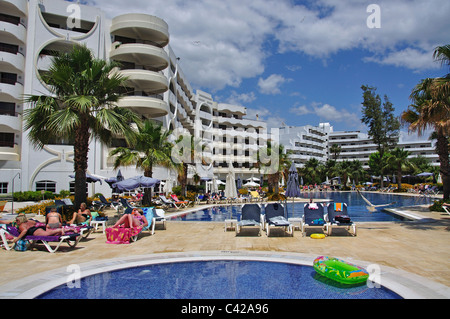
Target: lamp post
12,202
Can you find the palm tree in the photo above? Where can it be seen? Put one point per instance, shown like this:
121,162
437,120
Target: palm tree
398,160
358,172
276,166
312,169
344,169
335,150
81,105
431,109
152,147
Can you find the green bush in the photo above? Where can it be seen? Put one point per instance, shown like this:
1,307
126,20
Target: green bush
34,196
437,206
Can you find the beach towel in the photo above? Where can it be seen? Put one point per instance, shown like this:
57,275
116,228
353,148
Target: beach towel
338,207
313,206
121,235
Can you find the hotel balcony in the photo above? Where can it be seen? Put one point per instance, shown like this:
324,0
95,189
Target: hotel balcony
141,26
19,7
9,153
13,90
144,80
140,54
10,62
148,106
12,122
17,31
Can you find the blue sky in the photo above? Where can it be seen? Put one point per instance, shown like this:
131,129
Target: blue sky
301,62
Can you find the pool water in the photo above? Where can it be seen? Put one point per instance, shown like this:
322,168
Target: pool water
218,279
356,207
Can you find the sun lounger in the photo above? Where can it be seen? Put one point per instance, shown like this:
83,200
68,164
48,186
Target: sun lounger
274,217
71,239
313,216
97,221
180,202
250,217
170,203
338,217
160,216
446,209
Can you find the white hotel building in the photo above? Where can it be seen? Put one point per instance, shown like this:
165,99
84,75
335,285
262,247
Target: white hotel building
30,30
306,142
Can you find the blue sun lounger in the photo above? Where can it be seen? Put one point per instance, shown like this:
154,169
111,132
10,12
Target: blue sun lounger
313,216
274,217
250,217
338,217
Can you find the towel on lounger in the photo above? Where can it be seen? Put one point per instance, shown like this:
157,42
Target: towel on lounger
121,235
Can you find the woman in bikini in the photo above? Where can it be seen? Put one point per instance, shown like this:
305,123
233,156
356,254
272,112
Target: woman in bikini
30,228
53,219
82,215
135,219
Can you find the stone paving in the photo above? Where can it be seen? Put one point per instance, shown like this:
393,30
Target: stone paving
419,247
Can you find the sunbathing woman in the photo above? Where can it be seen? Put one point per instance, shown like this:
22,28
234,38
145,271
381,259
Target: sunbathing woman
30,228
135,219
81,216
53,219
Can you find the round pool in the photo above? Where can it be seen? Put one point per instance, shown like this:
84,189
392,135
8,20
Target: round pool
215,279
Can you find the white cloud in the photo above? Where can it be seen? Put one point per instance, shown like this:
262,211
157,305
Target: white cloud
330,113
272,84
409,58
326,112
238,99
221,43
300,110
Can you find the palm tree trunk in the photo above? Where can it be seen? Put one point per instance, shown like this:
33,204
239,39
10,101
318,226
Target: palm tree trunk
442,149
147,199
81,149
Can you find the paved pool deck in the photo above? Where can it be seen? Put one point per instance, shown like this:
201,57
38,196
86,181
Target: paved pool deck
413,255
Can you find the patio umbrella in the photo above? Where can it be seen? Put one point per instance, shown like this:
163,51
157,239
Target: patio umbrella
111,180
292,189
90,178
424,174
168,186
214,187
230,184
251,184
239,183
135,182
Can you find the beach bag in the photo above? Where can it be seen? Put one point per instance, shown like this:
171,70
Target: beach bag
21,245
318,221
343,219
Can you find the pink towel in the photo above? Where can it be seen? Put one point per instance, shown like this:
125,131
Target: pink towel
121,235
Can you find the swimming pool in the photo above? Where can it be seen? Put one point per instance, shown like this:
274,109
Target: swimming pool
356,207
216,279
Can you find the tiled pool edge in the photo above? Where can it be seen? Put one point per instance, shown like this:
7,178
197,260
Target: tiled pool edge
407,285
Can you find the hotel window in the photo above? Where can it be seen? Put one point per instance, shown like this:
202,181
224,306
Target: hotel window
72,187
46,186
3,188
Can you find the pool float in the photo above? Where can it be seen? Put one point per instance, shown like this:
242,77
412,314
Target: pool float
339,270
317,236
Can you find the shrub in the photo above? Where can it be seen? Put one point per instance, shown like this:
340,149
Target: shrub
437,206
